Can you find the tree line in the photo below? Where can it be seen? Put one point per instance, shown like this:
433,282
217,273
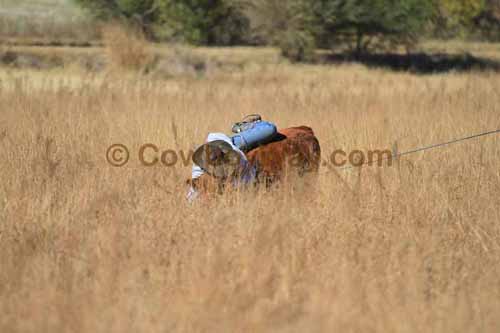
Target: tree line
300,26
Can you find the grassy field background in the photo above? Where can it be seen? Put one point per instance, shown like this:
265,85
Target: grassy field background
414,247
51,22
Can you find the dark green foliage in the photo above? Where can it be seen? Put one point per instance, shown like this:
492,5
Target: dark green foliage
487,23
297,27
455,18
106,9
288,25
297,46
207,22
140,13
371,24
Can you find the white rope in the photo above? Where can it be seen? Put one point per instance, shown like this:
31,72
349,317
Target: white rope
423,149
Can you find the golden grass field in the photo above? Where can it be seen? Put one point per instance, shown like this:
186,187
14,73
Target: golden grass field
87,247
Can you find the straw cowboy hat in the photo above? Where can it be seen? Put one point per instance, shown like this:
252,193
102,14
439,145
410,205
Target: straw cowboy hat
218,159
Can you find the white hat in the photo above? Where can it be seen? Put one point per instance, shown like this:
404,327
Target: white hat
218,159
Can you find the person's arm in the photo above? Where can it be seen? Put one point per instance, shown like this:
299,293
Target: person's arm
192,194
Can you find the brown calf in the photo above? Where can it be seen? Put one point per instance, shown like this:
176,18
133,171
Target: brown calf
295,150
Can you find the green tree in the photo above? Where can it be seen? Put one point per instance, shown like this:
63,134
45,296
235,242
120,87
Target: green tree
487,23
369,24
208,22
142,13
287,24
456,17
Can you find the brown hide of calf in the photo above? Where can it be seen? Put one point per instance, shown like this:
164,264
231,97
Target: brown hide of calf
294,151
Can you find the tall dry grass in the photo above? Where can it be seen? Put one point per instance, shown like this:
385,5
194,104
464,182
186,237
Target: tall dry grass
126,48
91,248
